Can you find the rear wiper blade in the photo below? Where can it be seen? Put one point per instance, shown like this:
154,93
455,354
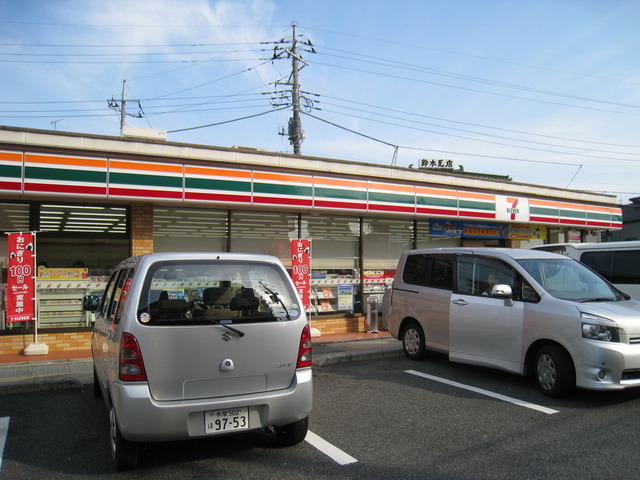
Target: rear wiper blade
228,327
275,297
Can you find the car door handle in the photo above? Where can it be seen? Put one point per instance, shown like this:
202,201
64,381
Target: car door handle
460,302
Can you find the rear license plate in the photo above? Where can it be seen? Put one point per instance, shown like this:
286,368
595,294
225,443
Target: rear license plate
229,420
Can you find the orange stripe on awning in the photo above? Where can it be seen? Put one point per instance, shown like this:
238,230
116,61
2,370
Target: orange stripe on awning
222,172
148,167
339,182
11,156
392,187
279,177
75,161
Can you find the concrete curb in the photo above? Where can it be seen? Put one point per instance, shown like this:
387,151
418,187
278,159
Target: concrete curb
43,384
336,358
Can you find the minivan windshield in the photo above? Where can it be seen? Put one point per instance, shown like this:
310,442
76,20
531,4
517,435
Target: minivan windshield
570,280
188,292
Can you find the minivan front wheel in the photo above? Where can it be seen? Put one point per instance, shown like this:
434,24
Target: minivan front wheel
413,341
123,452
554,371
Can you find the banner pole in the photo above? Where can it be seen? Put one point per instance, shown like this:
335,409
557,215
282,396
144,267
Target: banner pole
35,348
35,291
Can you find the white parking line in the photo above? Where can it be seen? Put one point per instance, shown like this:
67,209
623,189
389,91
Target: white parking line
329,450
4,429
522,403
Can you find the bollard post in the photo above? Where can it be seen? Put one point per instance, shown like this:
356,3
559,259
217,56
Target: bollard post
372,315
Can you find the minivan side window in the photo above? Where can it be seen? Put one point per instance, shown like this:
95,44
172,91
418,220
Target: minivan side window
108,294
114,294
124,282
625,267
477,275
429,271
601,262
620,267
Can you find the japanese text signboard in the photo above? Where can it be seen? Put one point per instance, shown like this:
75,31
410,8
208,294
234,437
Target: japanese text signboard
301,269
21,292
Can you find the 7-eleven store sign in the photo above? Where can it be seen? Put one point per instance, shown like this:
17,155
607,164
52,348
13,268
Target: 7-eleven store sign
512,209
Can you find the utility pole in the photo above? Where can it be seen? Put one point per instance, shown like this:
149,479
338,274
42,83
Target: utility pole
295,125
123,110
294,97
122,107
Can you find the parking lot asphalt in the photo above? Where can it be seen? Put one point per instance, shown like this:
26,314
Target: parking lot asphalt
61,370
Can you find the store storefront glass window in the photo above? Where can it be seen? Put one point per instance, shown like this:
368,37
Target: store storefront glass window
383,241
77,246
264,232
81,236
335,274
425,240
189,230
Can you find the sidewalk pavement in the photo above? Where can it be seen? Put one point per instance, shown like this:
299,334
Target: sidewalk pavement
61,370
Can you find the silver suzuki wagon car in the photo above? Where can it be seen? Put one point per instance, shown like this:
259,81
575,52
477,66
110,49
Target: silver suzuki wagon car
189,345
523,311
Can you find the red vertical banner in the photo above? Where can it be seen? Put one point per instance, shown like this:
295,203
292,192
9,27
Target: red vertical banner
301,269
21,292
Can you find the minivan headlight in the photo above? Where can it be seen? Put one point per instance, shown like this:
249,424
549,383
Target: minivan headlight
597,331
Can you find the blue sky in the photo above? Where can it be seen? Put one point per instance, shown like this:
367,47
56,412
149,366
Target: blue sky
547,92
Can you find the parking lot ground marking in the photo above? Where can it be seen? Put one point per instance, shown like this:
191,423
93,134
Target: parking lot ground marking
504,398
329,450
4,429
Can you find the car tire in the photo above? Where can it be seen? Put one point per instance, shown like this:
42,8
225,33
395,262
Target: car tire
97,392
413,341
124,453
554,371
293,433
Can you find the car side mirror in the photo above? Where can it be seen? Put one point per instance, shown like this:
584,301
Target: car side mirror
90,303
501,290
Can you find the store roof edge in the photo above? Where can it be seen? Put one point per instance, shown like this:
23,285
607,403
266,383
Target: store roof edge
163,148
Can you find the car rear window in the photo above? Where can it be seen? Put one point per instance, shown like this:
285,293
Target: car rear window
195,292
429,271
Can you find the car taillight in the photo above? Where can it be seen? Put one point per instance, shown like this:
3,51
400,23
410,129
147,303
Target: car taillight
131,365
304,353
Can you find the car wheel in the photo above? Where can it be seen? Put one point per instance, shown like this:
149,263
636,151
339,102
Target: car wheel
293,433
554,371
413,342
97,392
123,452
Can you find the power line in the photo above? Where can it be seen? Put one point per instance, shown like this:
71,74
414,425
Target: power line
485,141
225,121
398,77
467,131
481,125
479,57
432,71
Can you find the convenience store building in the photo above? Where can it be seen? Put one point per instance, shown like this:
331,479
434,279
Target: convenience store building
94,200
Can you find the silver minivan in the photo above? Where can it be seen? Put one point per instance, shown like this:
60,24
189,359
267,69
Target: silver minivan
522,311
618,262
189,345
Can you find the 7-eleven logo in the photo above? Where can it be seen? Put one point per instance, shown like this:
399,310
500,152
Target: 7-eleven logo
512,208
